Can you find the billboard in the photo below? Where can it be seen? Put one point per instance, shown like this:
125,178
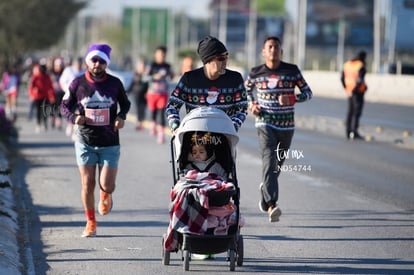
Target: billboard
324,17
150,25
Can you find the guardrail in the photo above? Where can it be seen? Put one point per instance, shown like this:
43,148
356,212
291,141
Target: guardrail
383,88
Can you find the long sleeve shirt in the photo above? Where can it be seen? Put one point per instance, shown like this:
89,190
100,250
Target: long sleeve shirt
41,87
98,101
194,90
269,84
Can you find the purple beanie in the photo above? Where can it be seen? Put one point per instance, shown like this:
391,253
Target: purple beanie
101,50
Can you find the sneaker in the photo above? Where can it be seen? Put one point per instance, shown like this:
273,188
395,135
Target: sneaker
160,138
274,213
105,203
90,230
202,256
139,127
153,130
59,124
355,135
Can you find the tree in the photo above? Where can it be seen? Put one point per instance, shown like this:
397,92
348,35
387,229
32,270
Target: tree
271,7
33,25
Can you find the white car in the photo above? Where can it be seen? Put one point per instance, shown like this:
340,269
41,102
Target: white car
126,77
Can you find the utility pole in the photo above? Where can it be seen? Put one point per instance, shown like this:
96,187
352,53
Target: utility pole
377,39
392,17
170,37
302,7
135,34
252,35
223,22
341,45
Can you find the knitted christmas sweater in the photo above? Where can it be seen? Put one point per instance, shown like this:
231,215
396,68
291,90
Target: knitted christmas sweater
268,84
194,90
98,101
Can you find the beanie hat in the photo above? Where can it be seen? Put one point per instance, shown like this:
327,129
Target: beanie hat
210,47
101,50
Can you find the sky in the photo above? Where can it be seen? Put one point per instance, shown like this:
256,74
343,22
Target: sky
194,8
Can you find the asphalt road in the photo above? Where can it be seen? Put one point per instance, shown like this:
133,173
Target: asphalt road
342,217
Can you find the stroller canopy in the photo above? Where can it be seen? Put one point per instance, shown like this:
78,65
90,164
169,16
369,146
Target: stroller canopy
207,119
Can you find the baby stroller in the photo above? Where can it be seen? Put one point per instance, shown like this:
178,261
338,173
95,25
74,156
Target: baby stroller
187,229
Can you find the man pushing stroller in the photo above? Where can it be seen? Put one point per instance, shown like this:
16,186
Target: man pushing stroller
211,85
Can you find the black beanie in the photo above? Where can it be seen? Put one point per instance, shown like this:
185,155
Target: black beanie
210,47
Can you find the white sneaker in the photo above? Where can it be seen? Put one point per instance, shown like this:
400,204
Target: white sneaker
202,256
274,213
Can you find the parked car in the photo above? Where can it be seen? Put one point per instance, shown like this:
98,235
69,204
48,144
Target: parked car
125,76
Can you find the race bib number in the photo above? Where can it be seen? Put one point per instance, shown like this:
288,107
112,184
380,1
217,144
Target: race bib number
97,117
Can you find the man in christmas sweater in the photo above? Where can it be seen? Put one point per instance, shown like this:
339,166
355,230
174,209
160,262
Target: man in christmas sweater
274,83
210,85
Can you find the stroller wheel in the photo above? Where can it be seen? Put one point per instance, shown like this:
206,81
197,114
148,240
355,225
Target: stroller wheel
165,253
186,263
240,252
232,259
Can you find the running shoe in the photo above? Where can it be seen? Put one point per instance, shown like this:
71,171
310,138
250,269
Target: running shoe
105,203
203,256
274,213
90,230
153,130
139,126
160,138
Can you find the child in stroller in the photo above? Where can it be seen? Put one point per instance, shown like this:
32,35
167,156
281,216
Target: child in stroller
202,156
204,200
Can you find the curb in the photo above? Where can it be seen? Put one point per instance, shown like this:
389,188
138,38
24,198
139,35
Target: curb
402,138
9,247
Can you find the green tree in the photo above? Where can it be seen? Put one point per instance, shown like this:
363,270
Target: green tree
33,25
271,7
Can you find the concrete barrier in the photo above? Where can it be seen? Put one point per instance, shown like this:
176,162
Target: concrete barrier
382,88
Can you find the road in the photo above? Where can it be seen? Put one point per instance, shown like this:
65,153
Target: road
351,214
380,169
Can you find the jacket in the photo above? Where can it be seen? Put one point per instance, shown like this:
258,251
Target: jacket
41,87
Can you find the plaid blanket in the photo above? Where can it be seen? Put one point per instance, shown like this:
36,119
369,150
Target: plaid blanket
189,204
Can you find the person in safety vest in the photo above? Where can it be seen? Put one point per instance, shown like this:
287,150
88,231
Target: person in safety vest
353,80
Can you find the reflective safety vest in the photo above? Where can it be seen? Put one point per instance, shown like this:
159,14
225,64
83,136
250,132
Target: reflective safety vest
351,75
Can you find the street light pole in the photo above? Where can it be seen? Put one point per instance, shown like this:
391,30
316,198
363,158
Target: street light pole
341,45
377,39
301,33
223,22
251,35
135,34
